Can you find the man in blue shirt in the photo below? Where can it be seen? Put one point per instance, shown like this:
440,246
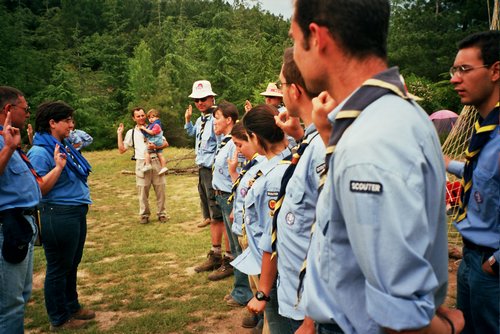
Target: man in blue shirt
476,77
19,190
205,147
378,260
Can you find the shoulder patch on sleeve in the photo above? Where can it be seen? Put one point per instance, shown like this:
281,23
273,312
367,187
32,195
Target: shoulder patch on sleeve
273,193
366,187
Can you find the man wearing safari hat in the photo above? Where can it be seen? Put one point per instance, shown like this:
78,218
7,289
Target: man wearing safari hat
205,148
273,96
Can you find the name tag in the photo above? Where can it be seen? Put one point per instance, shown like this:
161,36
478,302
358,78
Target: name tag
366,187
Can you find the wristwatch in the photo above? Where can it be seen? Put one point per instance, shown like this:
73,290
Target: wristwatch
259,295
493,264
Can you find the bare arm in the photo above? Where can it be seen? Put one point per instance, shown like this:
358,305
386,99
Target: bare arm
267,277
119,132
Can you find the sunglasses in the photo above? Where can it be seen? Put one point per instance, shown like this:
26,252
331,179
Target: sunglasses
203,99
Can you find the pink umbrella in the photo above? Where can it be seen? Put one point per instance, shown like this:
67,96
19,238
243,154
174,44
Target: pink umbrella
443,114
443,120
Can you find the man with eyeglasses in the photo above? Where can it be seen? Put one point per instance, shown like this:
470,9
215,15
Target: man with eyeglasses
476,77
20,194
205,147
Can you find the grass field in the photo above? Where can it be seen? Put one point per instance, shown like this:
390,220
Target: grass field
140,278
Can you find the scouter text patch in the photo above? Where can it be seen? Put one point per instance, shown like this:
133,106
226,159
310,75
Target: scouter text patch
366,187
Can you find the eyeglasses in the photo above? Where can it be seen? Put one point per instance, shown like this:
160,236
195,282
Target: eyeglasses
203,99
26,109
280,84
460,70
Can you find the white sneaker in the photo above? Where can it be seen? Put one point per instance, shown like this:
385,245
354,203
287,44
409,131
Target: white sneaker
147,168
163,171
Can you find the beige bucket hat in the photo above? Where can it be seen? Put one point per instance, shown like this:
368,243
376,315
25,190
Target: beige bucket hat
201,89
272,90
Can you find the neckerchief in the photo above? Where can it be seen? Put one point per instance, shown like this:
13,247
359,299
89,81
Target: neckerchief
386,82
293,160
204,119
243,228
249,164
480,137
221,145
75,162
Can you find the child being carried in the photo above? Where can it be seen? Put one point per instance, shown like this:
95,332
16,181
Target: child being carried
153,133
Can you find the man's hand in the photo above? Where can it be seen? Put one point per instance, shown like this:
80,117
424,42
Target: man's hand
256,306
291,125
248,106
188,113
307,327
119,131
11,135
29,131
322,105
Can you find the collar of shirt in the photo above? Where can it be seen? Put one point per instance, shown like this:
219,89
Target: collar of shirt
270,164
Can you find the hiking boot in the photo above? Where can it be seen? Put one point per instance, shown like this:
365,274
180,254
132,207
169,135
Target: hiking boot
213,261
204,223
163,171
83,314
144,220
71,324
250,321
225,270
232,302
163,219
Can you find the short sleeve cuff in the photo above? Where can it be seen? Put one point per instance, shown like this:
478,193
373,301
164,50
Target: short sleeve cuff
265,243
399,313
456,168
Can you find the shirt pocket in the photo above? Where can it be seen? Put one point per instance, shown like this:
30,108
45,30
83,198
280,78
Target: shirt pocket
251,218
484,193
294,213
18,167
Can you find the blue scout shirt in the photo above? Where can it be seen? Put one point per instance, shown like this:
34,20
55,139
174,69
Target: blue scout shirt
295,220
240,194
66,191
379,251
18,186
482,224
205,150
259,205
221,180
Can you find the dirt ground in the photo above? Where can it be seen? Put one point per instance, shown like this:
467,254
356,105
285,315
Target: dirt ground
231,323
